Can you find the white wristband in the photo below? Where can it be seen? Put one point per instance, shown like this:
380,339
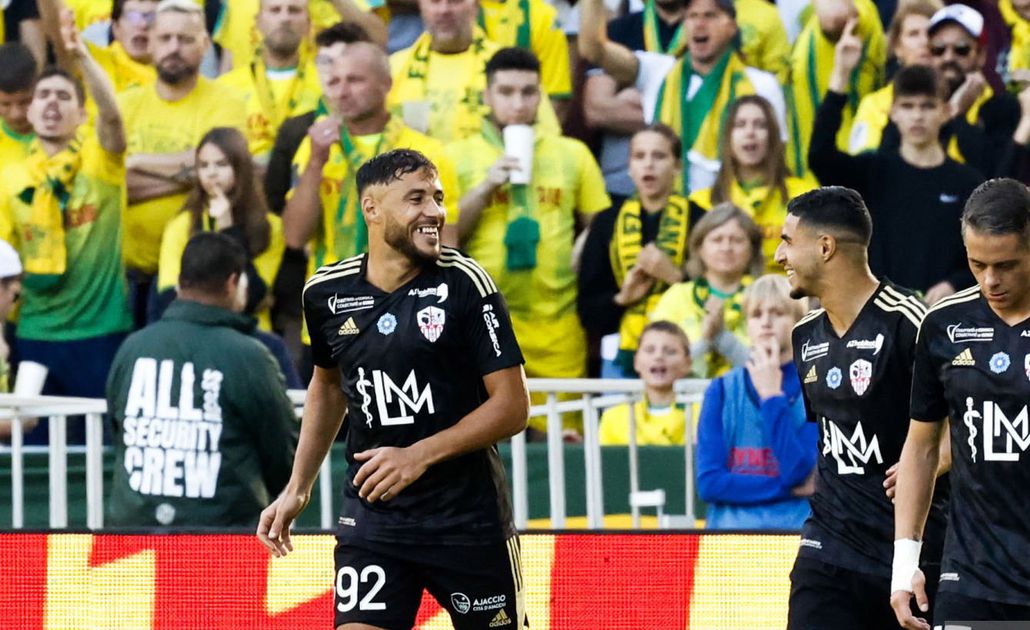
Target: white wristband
906,563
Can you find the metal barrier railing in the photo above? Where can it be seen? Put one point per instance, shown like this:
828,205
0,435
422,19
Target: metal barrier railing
585,396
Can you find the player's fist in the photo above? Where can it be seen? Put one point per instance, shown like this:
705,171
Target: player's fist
276,520
387,471
901,602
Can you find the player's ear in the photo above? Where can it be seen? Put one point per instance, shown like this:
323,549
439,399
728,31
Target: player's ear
827,246
370,207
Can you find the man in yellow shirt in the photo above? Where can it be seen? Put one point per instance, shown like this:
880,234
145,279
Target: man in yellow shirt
164,121
281,81
126,60
18,73
323,208
235,28
811,63
522,234
533,25
61,206
438,82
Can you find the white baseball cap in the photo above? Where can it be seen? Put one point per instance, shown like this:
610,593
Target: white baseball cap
10,264
967,17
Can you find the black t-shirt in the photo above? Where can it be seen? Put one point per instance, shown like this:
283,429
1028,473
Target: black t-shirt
413,363
967,367
628,30
857,387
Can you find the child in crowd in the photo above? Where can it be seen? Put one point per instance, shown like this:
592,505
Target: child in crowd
756,451
662,358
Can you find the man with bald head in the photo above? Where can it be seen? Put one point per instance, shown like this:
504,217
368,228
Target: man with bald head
323,208
164,121
282,80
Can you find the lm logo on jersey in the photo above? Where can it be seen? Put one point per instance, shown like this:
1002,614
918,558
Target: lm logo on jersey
994,424
395,405
850,452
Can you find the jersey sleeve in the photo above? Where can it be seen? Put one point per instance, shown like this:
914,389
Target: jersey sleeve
552,48
928,402
591,197
797,338
488,329
321,354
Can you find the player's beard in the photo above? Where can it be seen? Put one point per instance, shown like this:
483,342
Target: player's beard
283,42
398,237
176,75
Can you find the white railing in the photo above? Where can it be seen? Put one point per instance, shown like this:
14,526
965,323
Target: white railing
586,396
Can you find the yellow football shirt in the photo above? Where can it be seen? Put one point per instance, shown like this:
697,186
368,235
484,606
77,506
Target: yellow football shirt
13,146
156,126
665,426
542,301
271,99
767,207
177,233
123,70
504,22
89,298
810,66
451,86
89,12
764,43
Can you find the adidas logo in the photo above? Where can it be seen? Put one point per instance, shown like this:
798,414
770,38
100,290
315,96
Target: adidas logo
811,377
349,327
964,359
500,619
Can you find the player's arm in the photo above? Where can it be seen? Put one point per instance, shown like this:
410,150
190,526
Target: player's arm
917,474
594,45
303,209
110,129
472,203
388,470
605,106
324,407
151,175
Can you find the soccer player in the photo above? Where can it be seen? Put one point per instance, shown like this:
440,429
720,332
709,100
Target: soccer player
412,341
967,361
854,357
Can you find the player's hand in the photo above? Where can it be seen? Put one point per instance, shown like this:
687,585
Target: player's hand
324,134
276,520
713,323
847,54
657,265
967,93
386,472
890,481
764,369
901,602
70,37
500,172
806,488
635,287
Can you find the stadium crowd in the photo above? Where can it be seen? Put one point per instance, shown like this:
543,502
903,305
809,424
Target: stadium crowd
667,139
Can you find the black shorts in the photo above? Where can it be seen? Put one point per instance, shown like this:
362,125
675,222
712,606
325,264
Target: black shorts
952,607
828,597
381,585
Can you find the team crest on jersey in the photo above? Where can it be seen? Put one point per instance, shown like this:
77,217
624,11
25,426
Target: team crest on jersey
461,602
1000,362
430,322
861,373
387,324
834,378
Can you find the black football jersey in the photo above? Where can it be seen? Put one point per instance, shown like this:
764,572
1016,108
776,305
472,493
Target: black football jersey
974,368
413,363
857,387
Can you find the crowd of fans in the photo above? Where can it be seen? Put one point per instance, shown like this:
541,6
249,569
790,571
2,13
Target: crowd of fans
669,137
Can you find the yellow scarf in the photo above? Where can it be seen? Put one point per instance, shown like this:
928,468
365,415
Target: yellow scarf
652,38
43,244
278,111
700,119
1019,53
418,64
625,248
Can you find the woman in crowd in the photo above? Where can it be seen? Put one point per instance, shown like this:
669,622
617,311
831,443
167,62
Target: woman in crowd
637,250
226,197
725,252
756,450
754,173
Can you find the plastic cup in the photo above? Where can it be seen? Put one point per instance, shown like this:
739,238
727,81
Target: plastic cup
518,143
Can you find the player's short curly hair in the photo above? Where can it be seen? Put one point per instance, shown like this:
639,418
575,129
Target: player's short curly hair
838,210
391,166
998,207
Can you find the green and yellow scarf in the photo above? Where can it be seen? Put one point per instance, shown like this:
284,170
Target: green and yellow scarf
514,13
418,65
652,40
266,95
523,233
625,247
44,251
700,119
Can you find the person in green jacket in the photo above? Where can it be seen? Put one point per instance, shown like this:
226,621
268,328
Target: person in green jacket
204,432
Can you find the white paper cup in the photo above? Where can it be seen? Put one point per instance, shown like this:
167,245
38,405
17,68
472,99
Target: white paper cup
30,379
416,115
518,143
